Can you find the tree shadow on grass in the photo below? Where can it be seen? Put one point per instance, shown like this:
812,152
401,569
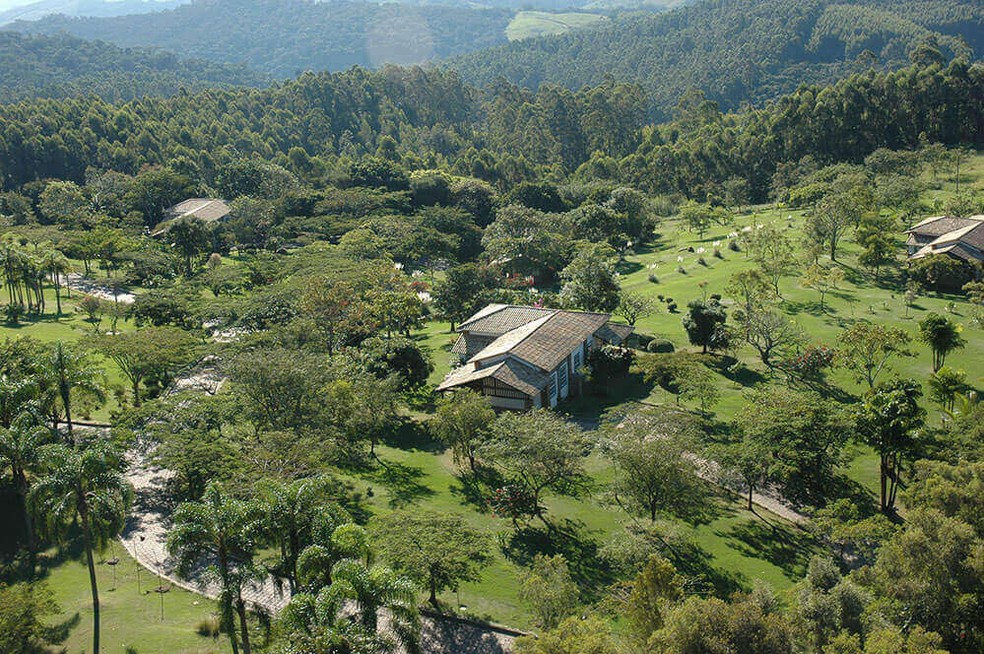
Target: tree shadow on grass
588,407
58,633
742,375
413,435
811,307
786,547
403,483
628,267
474,488
694,563
571,539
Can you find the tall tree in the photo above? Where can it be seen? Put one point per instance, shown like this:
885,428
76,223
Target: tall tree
704,322
83,486
224,531
888,421
71,374
942,336
590,281
20,452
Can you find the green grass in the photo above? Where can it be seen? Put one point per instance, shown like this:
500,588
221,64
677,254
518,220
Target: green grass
130,617
530,24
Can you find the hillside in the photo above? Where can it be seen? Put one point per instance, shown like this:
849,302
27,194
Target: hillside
283,37
737,51
64,66
35,10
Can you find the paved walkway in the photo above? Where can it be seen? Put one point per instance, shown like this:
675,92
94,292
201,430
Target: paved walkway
145,535
77,282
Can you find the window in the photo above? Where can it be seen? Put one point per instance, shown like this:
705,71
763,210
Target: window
576,365
562,379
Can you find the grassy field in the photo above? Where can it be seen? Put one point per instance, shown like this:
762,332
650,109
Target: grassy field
131,615
530,24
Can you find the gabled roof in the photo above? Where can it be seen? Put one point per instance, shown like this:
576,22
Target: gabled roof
510,372
553,340
206,209
497,319
965,240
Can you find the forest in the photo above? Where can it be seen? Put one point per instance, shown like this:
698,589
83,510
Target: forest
285,38
772,48
63,66
224,433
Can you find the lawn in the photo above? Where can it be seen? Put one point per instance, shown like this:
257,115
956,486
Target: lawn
530,24
131,615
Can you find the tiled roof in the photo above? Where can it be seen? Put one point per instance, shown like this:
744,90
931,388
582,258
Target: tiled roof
557,337
511,372
965,241
940,225
614,333
511,340
206,209
497,319
468,345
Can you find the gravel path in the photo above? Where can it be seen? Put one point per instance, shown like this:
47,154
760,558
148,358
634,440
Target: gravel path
77,282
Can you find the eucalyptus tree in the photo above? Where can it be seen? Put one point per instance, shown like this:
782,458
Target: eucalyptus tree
83,486
224,530
463,420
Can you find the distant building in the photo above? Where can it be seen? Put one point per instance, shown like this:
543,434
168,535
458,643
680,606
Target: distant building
528,357
207,210
962,238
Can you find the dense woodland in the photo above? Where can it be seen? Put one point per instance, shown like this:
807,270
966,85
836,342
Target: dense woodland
287,37
771,47
64,66
370,211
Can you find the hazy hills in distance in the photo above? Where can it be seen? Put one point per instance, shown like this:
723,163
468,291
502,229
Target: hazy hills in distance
14,10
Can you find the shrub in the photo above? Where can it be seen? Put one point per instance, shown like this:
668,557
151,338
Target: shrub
609,362
660,346
653,278
716,296
681,270
717,253
811,362
209,627
733,246
671,307
701,261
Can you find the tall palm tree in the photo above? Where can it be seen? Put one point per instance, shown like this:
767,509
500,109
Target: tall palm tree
71,373
56,265
319,623
20,452
223,530
376,589
292,510
83,486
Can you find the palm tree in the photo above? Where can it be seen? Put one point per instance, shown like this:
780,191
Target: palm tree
20,451
295,512
319,623
85,487
223,530
372,590
56,265
69,373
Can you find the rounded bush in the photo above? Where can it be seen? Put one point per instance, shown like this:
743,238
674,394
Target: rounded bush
660,346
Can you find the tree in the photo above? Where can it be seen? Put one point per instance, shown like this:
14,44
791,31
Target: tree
83,486
70,373
150,354
956,490
549,590
340,313
463,421
940,272
700,216
834,213
945,385
24,611
752,293
371,590
696,383
398,356
437,551
802,433
822,279
654,590
463,291
223,531
318,624
750,459
574,635
632,306
653,473
20,453
590,281
770,333
772,250
292,512
745,624
867,349
704,322
942,336
190,237
888,421
875,236
929,574
538,451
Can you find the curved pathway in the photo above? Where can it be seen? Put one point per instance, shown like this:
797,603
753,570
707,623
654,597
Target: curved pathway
145,535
